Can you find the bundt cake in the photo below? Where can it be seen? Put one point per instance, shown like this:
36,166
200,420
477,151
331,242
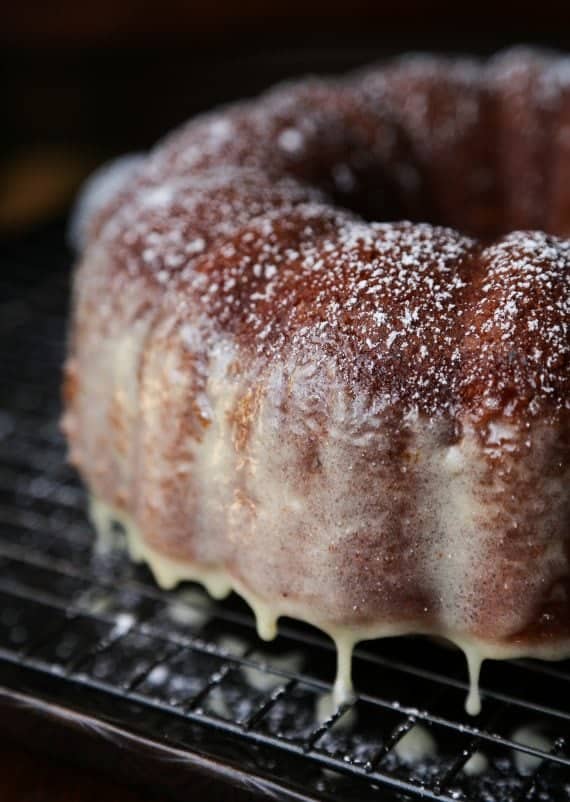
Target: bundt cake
363,425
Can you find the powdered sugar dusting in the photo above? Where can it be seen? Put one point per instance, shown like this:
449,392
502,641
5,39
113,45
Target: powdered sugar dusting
234,213
418,314
517,340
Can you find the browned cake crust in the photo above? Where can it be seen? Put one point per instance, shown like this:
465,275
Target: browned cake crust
365,425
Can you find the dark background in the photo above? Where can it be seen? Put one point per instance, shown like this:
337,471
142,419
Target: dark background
81,82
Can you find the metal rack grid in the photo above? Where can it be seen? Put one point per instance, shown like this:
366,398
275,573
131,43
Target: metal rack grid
187,675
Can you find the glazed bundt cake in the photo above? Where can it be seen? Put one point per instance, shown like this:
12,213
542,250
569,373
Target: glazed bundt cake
363,425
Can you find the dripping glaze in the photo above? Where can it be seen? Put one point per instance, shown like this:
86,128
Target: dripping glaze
219,583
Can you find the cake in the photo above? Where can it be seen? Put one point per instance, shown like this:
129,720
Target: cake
319,355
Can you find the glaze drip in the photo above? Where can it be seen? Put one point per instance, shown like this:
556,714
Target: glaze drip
219,583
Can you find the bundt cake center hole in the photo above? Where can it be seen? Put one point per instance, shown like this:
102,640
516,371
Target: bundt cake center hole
378,193
376,198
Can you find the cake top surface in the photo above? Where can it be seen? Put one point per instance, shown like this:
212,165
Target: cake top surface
255,217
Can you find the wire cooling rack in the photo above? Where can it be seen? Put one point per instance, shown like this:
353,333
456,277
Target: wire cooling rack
173,689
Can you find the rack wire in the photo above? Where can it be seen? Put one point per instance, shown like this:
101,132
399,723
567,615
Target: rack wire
186,675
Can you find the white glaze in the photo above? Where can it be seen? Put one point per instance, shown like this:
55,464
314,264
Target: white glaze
266,681
416,745
529,735
219,583
474,661
477,764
